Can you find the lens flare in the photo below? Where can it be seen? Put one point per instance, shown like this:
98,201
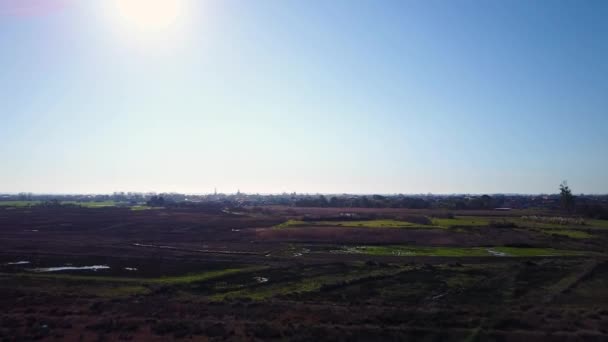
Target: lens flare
150,15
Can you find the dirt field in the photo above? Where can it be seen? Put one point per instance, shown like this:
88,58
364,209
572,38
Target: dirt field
99,274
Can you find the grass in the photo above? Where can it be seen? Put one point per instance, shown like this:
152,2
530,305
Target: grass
349,224
417,251
82,204
193,278
468,221
18,203
459,251
479,221
303,285
533,251
574,234
142,207
101,204
597,223
546,225
175,280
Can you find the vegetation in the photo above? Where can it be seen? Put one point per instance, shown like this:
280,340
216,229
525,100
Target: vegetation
555,220
308,281
351,224
566,197
458,251
468,221
102,204
175,280
575,234
18,203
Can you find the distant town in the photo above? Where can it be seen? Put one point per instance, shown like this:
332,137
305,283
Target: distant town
595,206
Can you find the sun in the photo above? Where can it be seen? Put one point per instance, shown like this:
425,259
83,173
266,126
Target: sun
150,15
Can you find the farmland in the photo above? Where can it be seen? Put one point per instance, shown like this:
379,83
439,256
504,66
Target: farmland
110,272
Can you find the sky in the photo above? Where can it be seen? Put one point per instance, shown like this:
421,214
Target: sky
312,96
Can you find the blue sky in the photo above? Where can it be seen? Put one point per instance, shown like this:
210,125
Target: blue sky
336,96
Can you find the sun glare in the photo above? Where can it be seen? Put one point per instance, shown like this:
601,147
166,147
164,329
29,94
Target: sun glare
150,15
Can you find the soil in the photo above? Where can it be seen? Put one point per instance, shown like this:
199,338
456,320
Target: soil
150,290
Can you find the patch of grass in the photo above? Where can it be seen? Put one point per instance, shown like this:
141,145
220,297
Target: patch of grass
101,204
417,251
533,251
72,288
520,222
78,203
460,251
175,280
142,207
303,285
350,224
290,223
597,223
18,203
575,234
192,278
464,221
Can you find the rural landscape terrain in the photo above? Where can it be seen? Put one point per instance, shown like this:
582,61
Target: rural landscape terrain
95,271
304,170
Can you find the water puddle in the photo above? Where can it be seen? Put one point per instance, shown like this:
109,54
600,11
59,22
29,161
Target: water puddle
18,263
496,253
261,279
71,268
130,268
154,246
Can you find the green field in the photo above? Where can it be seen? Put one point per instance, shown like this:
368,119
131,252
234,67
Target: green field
174,280
349,224
468,221
18,203
112,286
309,283
575,234
92,204
480,221
521,222
143,207
597,223
82,204
458,251
100,204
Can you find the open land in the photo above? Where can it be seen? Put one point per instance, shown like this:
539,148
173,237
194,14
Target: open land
100,272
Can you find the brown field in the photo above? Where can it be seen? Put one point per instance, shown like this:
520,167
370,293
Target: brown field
233,275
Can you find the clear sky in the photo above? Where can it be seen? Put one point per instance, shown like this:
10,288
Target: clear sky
358,96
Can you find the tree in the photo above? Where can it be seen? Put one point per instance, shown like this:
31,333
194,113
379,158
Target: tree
156,201
486,202
566,197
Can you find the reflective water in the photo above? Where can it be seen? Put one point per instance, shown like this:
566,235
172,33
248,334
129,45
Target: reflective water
71,268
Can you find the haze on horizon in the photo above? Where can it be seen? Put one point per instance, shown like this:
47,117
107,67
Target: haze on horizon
310,96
